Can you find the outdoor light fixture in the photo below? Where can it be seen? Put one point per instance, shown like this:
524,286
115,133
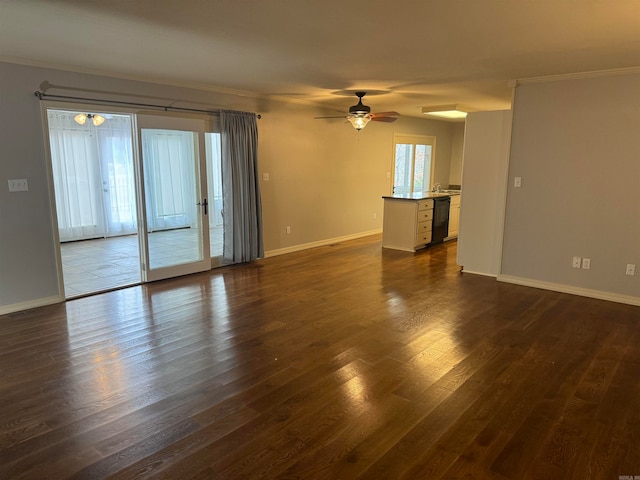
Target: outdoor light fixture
81,118
449,112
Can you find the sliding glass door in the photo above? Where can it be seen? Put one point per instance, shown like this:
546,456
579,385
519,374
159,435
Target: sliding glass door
175,237
131,197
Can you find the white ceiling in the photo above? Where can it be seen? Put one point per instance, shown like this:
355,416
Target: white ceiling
427,52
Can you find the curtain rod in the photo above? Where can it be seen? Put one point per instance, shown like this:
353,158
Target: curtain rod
44,96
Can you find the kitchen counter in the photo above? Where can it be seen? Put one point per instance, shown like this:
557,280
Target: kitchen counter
421,196
414,221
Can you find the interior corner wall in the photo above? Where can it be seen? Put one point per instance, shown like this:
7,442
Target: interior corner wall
484,169
576,146
326,180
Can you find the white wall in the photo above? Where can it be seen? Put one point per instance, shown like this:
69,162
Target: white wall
484,168
457,142
326,180
576,145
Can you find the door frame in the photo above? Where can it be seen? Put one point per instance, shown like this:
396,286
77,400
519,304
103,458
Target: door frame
171,121
46,105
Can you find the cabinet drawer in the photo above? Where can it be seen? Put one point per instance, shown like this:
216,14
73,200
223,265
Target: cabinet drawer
423,238
425,204
425,215
424,227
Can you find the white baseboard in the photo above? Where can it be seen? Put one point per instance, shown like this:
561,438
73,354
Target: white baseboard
479,273
583,292
38,302
320,243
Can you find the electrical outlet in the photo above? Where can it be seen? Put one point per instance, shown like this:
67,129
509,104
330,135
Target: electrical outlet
576,262
586,263
288,230
265,177
517,182
631,269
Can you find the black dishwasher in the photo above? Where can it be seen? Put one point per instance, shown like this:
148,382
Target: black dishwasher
440,219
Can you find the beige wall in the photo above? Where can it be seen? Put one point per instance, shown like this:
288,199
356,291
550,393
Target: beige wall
326,180
576,146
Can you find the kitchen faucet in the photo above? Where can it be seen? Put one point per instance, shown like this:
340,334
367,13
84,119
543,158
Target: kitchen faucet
436,187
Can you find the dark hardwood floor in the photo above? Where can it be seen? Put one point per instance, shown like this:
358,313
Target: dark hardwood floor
340,362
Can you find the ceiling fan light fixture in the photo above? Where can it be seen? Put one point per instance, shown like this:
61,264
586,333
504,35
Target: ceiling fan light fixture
449,112
96,119
360,115
359,121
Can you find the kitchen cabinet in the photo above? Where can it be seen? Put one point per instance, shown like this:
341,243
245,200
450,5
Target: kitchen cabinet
454,217
407,223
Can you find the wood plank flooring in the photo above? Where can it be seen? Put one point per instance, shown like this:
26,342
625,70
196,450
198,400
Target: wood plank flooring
340,362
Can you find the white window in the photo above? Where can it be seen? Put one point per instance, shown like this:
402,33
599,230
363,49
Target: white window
413,164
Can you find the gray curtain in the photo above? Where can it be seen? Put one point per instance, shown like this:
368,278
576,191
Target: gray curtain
242,207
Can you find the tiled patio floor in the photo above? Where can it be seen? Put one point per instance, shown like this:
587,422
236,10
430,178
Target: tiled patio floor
102,264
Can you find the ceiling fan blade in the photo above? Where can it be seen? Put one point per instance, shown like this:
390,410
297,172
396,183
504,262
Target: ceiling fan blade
386,114
341,116
384,119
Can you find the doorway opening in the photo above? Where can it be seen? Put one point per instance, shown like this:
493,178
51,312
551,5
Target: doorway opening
93,176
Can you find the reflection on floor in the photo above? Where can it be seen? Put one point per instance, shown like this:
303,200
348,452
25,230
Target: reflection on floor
102,264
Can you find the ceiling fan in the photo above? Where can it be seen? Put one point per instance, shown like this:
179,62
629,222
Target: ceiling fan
360,114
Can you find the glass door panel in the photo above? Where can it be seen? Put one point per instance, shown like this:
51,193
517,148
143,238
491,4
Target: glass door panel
403,168
422,170
176,233
214,188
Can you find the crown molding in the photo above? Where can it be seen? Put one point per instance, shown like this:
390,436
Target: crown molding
575,76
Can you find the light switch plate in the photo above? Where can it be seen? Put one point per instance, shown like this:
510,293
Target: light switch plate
517,182
18,185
